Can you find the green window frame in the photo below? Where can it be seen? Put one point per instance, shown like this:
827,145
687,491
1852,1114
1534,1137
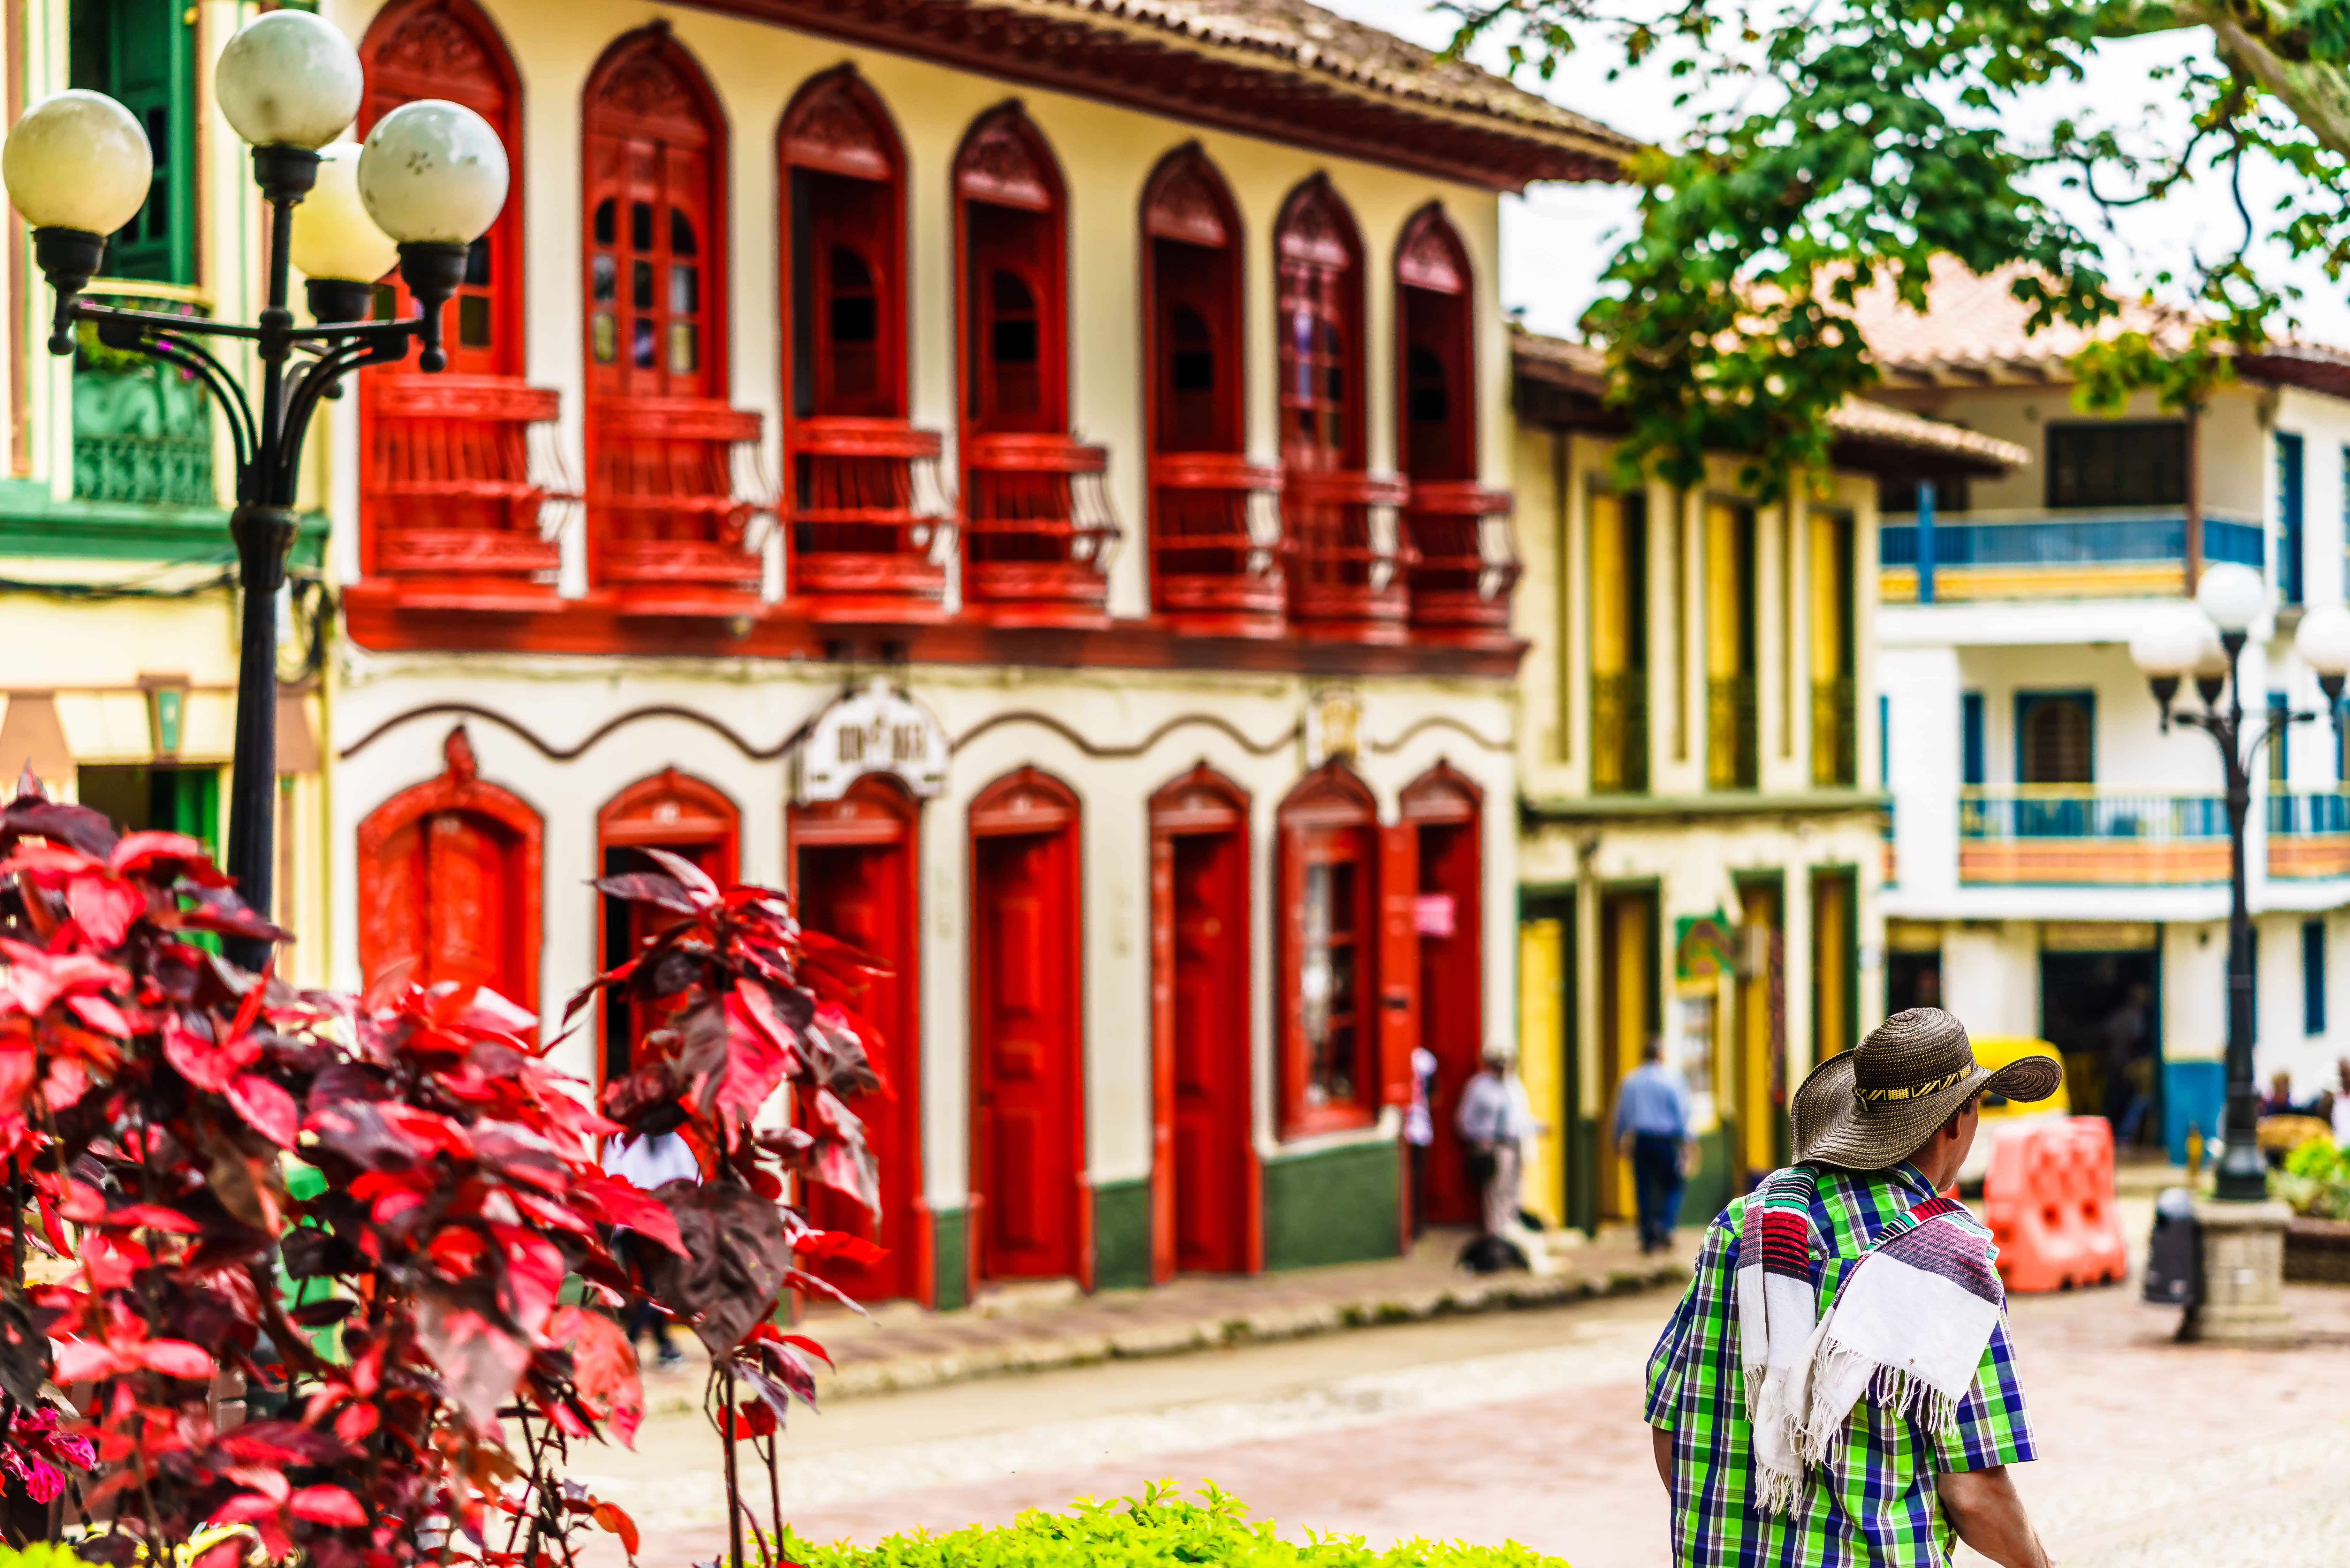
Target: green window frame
143,53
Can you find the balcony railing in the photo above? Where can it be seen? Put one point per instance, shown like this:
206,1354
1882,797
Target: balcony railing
1348,583
1038,530
1835,732
1732,734
668,514
1467,564
870,525
2309,835
1619,732
1216,544
142,431
461,485
2006,555
2076,835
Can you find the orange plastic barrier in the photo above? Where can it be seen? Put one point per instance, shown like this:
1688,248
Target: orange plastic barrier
2049,1201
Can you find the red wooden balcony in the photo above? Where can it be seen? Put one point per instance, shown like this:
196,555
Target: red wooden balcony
1216,544
454,512
668,522
1037,531
1348,555
871,524
1466,566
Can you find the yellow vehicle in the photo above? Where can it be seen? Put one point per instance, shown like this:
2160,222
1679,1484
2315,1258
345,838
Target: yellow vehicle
1999,1114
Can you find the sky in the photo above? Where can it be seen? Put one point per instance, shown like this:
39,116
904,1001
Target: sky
1557,237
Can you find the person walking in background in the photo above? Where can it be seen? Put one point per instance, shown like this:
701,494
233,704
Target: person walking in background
650,1161
1652,1130
1419,1131
1494,1119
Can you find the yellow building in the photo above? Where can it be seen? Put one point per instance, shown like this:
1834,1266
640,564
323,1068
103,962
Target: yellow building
1704,816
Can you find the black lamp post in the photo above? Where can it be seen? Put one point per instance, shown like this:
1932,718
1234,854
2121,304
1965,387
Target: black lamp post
431,180
2206,648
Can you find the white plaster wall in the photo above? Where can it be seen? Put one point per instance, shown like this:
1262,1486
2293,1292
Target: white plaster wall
1990,976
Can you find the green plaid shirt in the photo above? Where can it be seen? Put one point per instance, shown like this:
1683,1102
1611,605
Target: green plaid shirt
1871,1500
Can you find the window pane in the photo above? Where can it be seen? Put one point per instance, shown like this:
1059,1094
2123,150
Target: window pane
855,320
606,272
640,342
1015,343
477,262
682,238
472,321
640,284
640,226
603,337
606,229
387,302
684,348
685,290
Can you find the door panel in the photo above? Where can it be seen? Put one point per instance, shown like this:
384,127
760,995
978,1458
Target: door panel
1211,1175
863,894
1452,1002
1023,994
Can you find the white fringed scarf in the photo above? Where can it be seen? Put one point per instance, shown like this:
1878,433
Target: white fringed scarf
1907,1327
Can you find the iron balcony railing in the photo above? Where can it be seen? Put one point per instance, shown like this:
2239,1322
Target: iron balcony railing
2060,540
1835,732
2309,814
1734,735
2083,811
143,430
1619,732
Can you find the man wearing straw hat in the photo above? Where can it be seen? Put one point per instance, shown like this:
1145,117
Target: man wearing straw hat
1836,1386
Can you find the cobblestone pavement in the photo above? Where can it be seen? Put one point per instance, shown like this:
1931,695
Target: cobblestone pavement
1526,1425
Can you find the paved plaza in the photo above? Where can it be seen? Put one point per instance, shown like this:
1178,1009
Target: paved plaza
1525,1425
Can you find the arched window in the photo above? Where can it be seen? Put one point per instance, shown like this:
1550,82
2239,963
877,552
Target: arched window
1215,522
1347,585
450,509
669,810
1328,967
1039,523
666,528
869,522
1458,530
449,875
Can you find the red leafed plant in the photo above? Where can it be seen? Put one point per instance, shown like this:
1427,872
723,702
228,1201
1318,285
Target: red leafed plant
378,1221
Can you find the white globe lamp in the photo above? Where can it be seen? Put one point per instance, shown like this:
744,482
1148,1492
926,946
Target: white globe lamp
336,244
289,78
2323,640
2233,595
433,176
2170,644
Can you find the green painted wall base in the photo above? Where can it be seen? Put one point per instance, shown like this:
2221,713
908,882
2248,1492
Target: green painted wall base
1121,1235
946,1240
1338,1206
1711,1187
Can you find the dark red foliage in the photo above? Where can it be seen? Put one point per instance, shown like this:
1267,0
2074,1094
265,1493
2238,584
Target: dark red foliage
158,1108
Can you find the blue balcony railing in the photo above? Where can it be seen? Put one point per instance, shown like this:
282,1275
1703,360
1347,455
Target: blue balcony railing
2309,815
2063,810
2057,540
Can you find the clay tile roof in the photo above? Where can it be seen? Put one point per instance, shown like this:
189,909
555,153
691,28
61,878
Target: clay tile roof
1279,69
1974,330
1582,369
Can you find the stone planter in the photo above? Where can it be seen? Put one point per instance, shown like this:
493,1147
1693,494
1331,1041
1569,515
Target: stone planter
2317,1251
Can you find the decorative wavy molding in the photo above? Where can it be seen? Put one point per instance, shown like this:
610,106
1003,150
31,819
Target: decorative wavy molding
1439,722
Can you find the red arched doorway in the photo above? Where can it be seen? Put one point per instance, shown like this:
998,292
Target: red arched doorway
669,811
449,882
1028,1132
1205,1213
856,875
1441,812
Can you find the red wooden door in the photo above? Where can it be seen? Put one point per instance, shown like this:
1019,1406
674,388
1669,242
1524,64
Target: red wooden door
1213,1168
1452,1001
685,817
853,874
1029,1132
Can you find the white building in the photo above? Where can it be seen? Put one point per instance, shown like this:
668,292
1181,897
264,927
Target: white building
2061,863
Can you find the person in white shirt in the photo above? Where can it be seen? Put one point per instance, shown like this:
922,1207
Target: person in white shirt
1419,1131
1494,1119
648,1162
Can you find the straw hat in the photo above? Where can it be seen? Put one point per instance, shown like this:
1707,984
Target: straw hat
1877,1103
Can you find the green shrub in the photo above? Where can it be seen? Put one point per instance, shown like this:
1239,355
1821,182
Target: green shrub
1159,1526
2315,1181
2317,1158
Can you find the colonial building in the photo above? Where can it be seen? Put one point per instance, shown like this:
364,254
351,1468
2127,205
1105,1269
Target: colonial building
1703,762
117,574
1034,480
2063,861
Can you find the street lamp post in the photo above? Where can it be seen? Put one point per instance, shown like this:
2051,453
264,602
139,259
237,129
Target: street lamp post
2207,646
428,182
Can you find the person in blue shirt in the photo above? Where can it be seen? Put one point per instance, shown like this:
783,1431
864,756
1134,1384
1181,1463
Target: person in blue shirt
1652,1118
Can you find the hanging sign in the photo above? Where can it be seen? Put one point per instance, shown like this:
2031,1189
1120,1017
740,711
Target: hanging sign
876,731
